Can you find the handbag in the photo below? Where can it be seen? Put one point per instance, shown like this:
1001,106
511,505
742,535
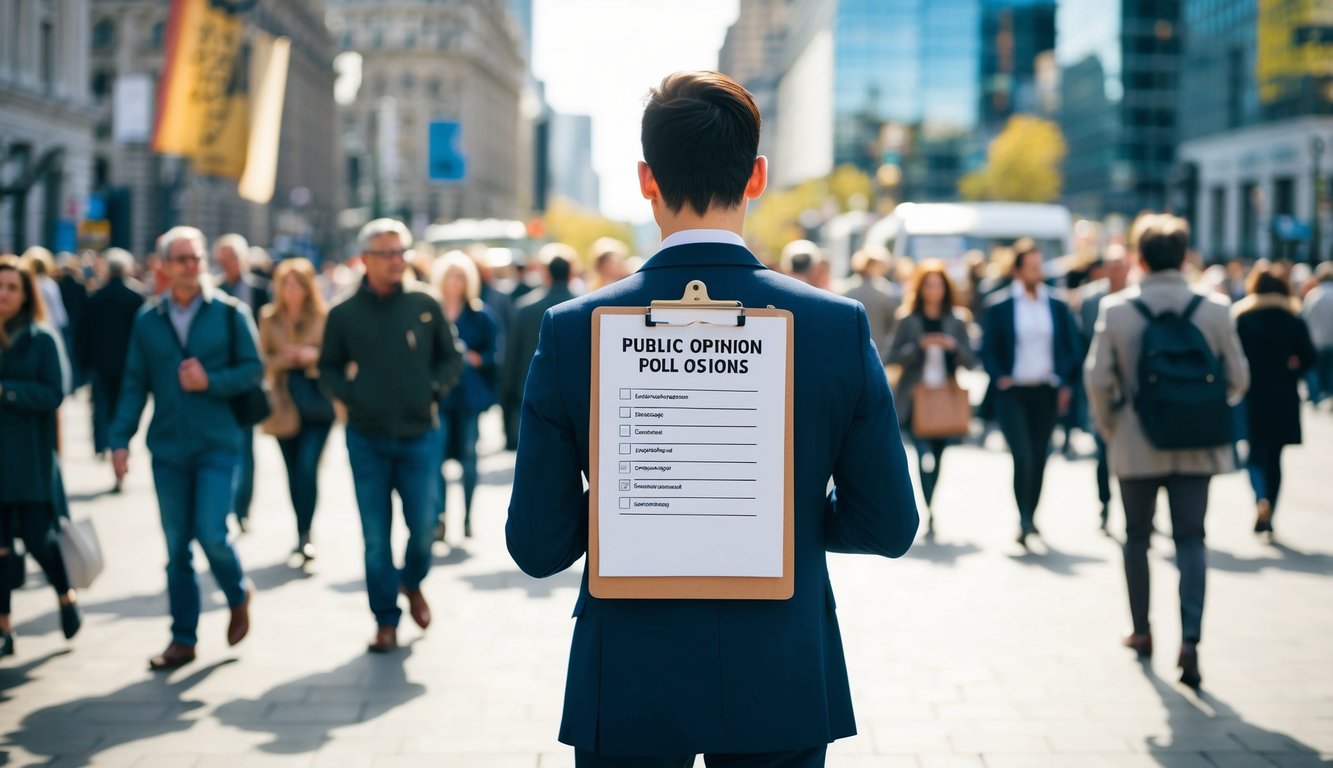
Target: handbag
251,406
310,402
939,412
81,551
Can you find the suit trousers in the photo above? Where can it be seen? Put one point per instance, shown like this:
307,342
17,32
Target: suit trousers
1188,498
1027,419
803,758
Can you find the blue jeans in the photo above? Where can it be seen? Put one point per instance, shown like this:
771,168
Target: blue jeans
244,481
380,466
105,394
194,497
460,427
301,453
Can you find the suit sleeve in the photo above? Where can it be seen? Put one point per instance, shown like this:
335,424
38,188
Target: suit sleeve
1071,352
447,357
547,529
1101,377
990,335
872,507
133,387
246,369
44,393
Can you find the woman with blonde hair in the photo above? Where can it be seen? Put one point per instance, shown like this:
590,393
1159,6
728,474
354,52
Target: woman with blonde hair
931,343
459,284
291,332
32,384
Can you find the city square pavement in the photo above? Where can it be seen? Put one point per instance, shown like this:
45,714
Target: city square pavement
967,652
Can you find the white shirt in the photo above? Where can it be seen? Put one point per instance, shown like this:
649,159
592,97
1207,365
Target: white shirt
1034,337
694,236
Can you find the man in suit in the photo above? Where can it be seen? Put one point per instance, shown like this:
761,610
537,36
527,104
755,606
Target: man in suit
880,297
557,259
1111,380
1031,352
1115,267
231,253
104,340
655,682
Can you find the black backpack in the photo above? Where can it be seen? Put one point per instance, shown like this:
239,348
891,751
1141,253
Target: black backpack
1182,394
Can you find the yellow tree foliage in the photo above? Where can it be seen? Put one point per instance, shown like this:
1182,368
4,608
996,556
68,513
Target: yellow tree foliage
1022,164
774,220
567,223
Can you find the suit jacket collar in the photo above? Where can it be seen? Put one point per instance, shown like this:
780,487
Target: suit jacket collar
703,255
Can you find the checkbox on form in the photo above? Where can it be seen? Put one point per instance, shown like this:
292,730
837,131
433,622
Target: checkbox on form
624,430
624,449
624,394
624,502
624,413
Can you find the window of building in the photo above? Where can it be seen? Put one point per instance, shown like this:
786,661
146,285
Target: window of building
102,82
434,87
409,82
47,56
159,35
104,34
1217,219
102,130
1249,228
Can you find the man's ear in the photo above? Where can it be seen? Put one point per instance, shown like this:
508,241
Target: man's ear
647,183
758,179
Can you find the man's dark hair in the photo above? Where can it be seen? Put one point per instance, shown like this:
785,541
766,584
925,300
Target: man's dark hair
1163,240
558,269
700,137
1022,248
1264,278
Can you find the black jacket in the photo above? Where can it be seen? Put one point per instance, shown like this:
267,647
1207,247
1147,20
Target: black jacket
521,344
1272,335
104,332
32,384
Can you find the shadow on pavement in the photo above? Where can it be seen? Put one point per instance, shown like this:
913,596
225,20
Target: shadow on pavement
932,550
144,606
276,575
1291,560
74,732
1057,562
455,556
1249,741
301,714
516,579
13,677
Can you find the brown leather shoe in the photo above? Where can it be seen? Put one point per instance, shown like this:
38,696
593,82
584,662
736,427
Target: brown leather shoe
176,655
239,626
1141,644
418,607
386,640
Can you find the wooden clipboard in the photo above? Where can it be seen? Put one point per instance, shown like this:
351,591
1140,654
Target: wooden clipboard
692,587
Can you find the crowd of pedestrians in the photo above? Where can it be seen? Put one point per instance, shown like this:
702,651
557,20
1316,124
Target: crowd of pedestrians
409,348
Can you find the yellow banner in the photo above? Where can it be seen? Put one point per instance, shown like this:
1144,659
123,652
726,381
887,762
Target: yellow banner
201,86
1292,46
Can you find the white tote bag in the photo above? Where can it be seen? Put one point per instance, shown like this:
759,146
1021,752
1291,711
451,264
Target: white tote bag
81,551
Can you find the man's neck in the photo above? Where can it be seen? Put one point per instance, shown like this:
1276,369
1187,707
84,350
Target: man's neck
727,219
183,297
382,291
232,279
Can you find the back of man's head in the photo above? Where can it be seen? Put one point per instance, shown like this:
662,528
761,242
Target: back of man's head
1163,240
700,137
799,257
558,259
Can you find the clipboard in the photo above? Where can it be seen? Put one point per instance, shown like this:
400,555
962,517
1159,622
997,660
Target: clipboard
712,312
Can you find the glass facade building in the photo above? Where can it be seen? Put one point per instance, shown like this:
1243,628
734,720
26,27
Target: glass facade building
1120,78
1015,36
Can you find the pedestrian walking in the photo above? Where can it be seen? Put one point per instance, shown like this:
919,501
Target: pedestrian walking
1031,352
1115,377
1115,278
42,264
104,341
291,332
389,355
194,350
521,345
459,285
1318,315
237,280
931,343
1277,344
880,297
772,671
32,384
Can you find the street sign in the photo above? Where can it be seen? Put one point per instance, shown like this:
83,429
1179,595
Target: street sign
446,159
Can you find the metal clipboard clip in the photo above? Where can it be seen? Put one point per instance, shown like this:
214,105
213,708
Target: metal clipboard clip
695,298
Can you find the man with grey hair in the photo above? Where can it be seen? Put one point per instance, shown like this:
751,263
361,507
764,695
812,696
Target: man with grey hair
194,350
389,355
104,340
232,253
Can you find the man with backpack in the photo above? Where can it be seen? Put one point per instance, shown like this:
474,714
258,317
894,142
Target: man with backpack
1164,365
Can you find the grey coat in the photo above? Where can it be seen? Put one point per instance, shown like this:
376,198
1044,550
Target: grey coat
906,350
881,299
1111,376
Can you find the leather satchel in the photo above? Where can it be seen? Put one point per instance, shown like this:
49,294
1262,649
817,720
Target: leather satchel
251,406
940,412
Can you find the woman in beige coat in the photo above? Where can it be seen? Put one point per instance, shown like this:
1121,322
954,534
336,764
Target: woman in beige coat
291,331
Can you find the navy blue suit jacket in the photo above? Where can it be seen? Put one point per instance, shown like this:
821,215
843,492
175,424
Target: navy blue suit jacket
998,344
674,677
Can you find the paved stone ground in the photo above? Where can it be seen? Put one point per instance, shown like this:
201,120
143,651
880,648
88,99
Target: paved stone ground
965,653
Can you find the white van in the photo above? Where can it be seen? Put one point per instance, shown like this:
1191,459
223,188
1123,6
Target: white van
947,231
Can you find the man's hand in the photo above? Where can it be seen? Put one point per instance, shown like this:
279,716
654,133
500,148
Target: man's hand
473,358
193,377
1063,399
120,462
307,356
1005,382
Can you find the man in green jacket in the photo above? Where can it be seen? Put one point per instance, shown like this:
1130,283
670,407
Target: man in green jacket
389,355
194,350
